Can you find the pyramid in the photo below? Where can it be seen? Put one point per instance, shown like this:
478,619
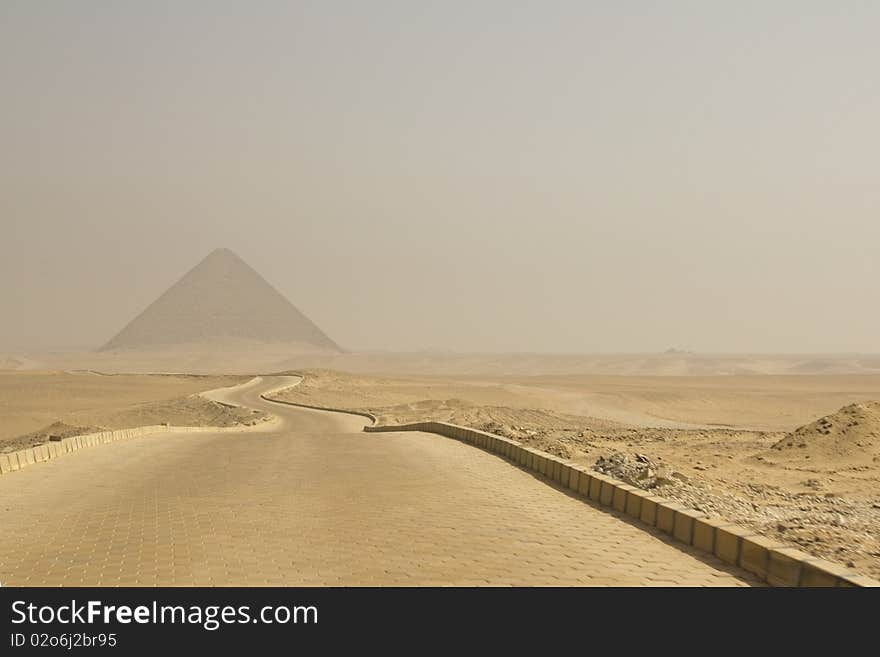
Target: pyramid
221,299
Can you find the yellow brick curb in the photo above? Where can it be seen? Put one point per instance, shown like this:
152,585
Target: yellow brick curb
265,397
12,461
772,562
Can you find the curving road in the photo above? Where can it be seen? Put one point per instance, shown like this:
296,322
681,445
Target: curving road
312,500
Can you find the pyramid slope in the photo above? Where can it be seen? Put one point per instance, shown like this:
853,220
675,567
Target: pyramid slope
222,298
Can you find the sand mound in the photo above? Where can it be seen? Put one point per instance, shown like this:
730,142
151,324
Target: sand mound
194,410
850,434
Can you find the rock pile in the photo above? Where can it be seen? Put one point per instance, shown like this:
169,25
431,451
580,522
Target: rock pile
638,470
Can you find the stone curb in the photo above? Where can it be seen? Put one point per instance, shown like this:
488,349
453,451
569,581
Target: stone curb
372,418
772,562
12,461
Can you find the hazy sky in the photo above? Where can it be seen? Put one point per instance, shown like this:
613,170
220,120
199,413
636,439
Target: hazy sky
479,176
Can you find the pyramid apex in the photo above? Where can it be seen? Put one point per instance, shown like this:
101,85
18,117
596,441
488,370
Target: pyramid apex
222,257
223,251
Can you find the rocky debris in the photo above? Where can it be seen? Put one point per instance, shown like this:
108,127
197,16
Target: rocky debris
823,524
831,527
539,438
638,470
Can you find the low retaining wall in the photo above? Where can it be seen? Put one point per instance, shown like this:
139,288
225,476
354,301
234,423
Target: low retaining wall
265,397
12,461
769,560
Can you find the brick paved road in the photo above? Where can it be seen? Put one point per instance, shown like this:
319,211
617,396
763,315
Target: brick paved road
316,503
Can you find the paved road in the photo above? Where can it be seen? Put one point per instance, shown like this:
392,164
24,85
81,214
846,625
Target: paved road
316,502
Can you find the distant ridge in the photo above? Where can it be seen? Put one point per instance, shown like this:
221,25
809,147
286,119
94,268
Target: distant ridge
221,298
